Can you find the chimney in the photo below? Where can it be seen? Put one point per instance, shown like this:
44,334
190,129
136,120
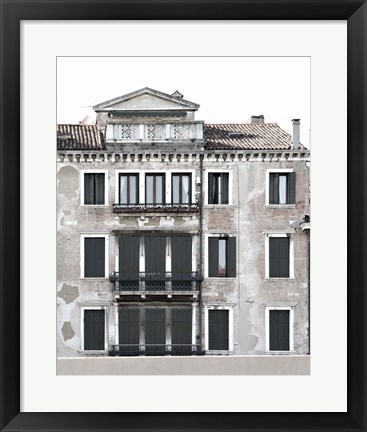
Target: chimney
177,95
296,126
257,119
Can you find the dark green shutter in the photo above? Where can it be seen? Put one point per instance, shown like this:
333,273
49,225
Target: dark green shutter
155,331
99,189
155,254
129,326
94,189
129,262
273,188
213,256
94,257
88,189
94,329
181,248
218,330
181,331
291,186
210,188
279,330
279,257
224,177
181,256
231,260
155,262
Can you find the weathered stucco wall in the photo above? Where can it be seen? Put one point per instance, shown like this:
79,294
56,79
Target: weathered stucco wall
248,218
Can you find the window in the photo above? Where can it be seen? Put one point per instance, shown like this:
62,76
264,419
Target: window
222,257
279,328
181,188
218,329
155,189
282,188
94,257
279,257
94,329
218,188
129,189
94,188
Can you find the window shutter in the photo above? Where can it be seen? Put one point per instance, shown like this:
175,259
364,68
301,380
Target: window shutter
210,188
218,330
182,326
88,189
279,330
231,253
94,257
279,257
94,329
284,257
129,254
155,254
291,196
99,188
273,188
155,326
213,256
129,326
181,248
225,188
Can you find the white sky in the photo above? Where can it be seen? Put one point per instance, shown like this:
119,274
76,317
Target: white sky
228,89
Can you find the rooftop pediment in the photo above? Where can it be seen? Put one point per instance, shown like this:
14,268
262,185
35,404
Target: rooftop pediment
147,99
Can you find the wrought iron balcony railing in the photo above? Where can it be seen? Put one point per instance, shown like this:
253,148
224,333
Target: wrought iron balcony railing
156,281
154,350
156,208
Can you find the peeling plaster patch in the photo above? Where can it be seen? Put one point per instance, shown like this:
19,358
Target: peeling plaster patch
67,331
68,182
128,221
62,221
68,293
153,221
180,221
67,212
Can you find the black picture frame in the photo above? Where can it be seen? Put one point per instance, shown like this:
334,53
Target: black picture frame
12,12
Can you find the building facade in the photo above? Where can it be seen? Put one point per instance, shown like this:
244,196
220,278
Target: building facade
177,237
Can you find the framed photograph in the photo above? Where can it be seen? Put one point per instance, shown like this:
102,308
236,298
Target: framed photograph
137,230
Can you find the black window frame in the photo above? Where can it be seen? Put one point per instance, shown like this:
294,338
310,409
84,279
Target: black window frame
180,175
155,175
213,257
274,188
213,193
128,176
94,193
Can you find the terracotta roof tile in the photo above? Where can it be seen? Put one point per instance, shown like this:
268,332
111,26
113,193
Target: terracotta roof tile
247,136
78,137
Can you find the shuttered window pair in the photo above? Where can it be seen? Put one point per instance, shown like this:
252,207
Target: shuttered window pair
218,188
282,188
222,257
94,189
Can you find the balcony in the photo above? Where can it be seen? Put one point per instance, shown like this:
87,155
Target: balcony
155,208
156,283
155,350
